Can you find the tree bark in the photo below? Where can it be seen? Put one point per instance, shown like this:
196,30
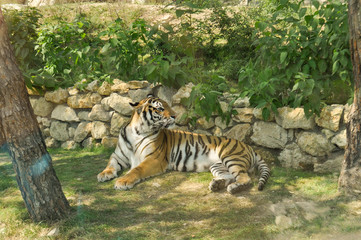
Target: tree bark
350,177
21,136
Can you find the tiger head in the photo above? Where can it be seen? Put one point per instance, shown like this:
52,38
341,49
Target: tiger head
152,114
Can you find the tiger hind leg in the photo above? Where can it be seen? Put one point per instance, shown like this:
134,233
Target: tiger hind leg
222,178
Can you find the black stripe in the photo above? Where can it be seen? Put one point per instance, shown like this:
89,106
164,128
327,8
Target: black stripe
224,147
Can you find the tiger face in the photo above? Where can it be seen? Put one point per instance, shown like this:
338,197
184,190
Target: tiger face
153,113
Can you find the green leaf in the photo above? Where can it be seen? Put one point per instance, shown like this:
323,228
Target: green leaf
302,12
322,65
316,4
335,67
312,63
150,69
283,56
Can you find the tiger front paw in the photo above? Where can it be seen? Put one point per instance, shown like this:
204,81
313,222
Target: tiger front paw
106,175
124,183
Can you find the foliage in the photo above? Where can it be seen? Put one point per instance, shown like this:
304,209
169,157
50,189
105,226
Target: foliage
69,52
302,57
204,100
22,26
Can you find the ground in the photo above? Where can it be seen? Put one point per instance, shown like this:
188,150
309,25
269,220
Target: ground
176,205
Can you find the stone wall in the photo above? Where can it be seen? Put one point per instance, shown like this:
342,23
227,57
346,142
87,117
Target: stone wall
69,119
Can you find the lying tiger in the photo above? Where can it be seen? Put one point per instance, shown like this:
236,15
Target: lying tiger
148,148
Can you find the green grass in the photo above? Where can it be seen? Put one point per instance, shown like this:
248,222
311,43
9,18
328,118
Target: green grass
174,205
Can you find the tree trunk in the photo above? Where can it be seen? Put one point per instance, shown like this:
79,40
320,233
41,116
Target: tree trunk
350,177
20,135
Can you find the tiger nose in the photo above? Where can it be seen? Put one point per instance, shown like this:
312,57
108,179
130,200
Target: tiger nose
172,117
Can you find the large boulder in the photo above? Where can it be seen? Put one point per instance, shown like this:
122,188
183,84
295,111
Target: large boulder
330,117
59,131
82,131
105,89
244,115
116,123
332,165
204,124
293,157
269,135
64,113
183,92
315,144
118,103
41,107
98,113
294,118
99,130
58,96
84,100
239,132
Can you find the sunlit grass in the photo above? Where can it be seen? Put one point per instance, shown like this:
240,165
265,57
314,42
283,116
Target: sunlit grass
174,205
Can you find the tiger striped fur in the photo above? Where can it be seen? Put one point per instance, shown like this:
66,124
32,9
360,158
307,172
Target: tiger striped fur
149,148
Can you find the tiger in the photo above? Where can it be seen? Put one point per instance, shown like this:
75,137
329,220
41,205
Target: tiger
149,147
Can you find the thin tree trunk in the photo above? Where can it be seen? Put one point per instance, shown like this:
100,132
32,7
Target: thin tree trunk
350,177
20,135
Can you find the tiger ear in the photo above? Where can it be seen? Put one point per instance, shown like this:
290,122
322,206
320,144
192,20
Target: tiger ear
134,104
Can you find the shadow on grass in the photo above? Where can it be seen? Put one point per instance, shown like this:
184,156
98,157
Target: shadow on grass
170,206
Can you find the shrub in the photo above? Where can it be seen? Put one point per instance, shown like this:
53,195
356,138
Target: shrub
302,55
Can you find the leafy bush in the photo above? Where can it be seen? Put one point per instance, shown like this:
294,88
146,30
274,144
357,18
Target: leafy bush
22,26
69,52
302,57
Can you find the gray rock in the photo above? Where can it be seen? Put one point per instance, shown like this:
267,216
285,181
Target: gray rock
222,124
105,89
257,112
51,142
70,145
41,107
84,115
203,124
88,143
332,165
98,113
166,93
269,135
183,92
340,139
315,144
116,123
59,131
244,115
109,142
99,130
139,94
239,132
82,131
64,113
118,103
58,96
293,157
93,86
330,117
294,118
180,117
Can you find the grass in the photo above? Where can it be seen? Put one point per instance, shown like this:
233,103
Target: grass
174,205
